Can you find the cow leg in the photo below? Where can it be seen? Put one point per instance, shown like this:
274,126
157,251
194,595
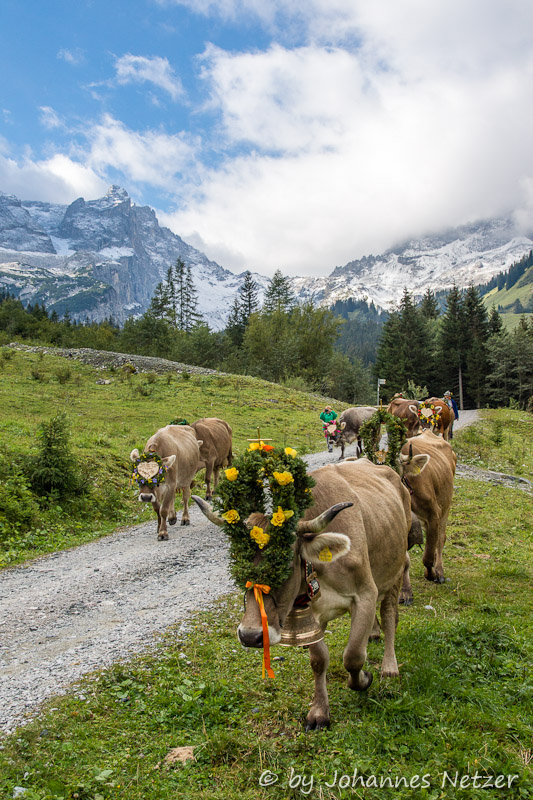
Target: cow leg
318,716
432,558
157,509
186,491
375,634
359,448
389,622
208,474
439,567
363,613
162,532
216,475
342,451
406,594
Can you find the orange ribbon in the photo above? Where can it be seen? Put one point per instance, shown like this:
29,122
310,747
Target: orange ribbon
259,588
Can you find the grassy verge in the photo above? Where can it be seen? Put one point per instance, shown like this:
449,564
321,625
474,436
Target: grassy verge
501,441
462,706
108,421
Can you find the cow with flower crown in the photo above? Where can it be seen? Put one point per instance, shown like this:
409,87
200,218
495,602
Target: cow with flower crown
333,541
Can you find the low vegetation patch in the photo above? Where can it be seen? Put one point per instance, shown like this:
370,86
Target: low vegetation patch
501,441
462,707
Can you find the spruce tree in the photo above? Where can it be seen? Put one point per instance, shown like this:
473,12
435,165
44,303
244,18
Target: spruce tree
428,306
248,301
451,349
279,295
495,323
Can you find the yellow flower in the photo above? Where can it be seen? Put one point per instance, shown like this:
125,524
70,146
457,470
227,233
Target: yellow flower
254,446
280,516
231,516
259,536
283,478
290,452
231,474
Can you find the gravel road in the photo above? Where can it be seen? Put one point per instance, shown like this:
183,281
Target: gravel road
67,614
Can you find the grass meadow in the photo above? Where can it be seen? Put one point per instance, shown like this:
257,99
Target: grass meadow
456,724
107,422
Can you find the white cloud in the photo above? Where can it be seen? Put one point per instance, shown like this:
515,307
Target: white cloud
155,70
422,123
151,157
49,118
58,179
74,57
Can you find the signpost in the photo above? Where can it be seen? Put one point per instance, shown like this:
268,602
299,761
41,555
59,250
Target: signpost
381,381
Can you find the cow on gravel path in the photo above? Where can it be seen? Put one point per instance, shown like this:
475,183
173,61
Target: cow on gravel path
407,411
179,450
215,437
367,545
427,464
446,419
349,423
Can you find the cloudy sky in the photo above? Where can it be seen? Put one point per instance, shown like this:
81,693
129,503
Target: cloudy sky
291,134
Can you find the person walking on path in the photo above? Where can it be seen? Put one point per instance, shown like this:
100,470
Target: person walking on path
450,402
328,416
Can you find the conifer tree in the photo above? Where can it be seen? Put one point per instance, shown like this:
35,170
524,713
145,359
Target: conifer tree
451,350
495,323
279,295
248,301
428,306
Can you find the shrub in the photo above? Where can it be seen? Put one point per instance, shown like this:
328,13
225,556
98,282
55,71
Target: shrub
37,375
151,377
63,375
18,509
54,470
185,376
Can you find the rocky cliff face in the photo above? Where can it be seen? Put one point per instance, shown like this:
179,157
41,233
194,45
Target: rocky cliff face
101,258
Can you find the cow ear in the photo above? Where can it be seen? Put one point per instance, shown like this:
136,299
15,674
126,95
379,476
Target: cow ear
200,442
342,426
134,455
168,461
324,546
413,408
415,465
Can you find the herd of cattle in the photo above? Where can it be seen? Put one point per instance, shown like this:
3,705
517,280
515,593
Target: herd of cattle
379,514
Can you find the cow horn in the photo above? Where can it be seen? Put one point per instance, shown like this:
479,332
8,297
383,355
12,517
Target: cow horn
318,524
206,509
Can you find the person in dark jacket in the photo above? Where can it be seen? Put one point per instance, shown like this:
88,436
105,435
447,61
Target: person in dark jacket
450,402
328,416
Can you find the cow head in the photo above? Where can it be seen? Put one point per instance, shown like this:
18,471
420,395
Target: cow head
149,494
343,435
412,465
310,542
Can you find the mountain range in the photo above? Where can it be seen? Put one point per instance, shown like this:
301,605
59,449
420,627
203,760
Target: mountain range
105,257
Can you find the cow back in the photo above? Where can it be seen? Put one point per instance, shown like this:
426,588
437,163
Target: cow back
355,417
216,437
432,488
181,441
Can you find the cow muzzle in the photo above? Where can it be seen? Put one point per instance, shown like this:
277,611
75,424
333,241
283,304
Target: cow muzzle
147,498
253,637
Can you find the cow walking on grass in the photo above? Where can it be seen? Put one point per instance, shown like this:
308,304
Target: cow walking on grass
427,464
179,450
215,438
359,561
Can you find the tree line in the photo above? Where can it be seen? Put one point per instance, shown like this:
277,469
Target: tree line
455,346
463,349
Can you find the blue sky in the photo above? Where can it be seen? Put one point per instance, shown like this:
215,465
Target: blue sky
271,134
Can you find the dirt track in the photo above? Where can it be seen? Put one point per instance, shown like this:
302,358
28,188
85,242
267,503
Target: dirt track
69,613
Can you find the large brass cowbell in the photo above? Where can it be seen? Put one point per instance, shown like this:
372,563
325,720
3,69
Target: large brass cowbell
301,628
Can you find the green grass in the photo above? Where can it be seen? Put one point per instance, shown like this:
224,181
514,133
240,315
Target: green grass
501,441
463,702
107,422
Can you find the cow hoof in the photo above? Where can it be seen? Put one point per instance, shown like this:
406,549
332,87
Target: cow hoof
439,579
363,683
185,522
163,537
405,599
172,520
316,722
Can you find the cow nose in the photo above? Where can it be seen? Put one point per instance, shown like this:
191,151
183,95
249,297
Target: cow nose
251,637
145,498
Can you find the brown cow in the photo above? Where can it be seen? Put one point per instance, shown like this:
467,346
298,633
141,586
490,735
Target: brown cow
444,424
368,550
349,424
179,450
407,411
431,493
215,450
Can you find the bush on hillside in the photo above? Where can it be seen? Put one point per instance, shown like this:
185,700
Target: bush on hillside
54,470
18,508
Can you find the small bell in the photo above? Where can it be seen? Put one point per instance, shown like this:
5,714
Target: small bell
301,628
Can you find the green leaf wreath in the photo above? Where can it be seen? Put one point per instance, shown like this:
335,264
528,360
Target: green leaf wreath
273,482
370,434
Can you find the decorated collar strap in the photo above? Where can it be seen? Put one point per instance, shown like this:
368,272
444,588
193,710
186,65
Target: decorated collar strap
312,586
370,434
149,470
259,588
